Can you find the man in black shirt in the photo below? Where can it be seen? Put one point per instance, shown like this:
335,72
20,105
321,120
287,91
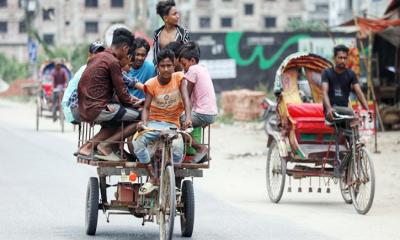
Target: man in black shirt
337,83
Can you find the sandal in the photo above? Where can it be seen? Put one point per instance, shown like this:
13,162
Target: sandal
200,155
112,157
147,188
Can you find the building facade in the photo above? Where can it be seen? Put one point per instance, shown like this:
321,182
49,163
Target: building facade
341,11
239,15
67,22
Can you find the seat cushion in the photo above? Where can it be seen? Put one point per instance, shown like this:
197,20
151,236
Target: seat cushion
308,118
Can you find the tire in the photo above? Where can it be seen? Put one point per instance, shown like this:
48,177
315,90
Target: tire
275,173
362,181
92,206
167,204
345,191
187,213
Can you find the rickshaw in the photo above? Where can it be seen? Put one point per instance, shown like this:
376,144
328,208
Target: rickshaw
303,146
173,197
44,98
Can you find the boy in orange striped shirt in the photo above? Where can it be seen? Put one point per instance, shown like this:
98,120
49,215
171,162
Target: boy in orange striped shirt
166,98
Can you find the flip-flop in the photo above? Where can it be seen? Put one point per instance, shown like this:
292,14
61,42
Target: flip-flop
112,157
147,188
200,155
86,157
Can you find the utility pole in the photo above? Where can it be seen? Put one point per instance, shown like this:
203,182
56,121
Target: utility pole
31,8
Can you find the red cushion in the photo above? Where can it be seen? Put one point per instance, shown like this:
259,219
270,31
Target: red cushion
306,110
309,118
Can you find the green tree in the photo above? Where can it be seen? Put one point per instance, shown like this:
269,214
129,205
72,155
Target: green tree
11,69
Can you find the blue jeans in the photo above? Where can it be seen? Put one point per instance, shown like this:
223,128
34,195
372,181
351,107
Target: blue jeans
141,143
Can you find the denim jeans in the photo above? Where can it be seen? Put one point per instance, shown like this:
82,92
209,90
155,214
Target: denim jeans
142,143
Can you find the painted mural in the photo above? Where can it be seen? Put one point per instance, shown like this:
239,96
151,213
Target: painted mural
247,59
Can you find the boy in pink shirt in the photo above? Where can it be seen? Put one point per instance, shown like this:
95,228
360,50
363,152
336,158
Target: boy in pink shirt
201,90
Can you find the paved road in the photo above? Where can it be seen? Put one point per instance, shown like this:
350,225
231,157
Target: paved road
43,190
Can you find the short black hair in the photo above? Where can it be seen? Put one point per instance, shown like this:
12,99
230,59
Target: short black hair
163,7
122,36
175,47
140,42
165,53
131,52
190,50
340,48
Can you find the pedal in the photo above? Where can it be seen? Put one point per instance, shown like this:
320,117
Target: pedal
310,189
299,189
289,189
319,190
328,190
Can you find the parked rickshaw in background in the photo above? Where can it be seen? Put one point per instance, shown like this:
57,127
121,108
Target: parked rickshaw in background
303,146
44,98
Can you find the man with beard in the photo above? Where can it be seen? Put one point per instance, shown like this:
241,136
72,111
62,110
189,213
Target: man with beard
337,83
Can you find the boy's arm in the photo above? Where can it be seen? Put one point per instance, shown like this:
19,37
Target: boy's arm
190,87
146,109
186,103
360,96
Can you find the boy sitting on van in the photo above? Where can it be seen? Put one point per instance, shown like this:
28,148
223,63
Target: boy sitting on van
166,98
201,90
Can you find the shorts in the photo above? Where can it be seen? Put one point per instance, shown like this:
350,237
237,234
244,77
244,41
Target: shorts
115,118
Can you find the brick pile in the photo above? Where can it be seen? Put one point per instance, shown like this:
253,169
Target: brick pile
18,88
243,105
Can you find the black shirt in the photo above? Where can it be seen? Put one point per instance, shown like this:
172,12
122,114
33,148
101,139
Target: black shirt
339,85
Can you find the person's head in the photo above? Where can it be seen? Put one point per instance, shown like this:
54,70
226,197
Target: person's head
165,65
58,66
175,48
121,43
142,49
168,12
189,55
96,47
340,54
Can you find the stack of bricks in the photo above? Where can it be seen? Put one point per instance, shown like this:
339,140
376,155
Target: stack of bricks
243,105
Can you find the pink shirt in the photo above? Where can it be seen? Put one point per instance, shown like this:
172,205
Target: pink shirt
203,94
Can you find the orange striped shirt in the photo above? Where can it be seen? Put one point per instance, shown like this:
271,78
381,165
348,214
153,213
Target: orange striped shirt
167,103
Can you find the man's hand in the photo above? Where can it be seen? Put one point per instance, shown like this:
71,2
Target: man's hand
330,112
141,125
187,123
138,103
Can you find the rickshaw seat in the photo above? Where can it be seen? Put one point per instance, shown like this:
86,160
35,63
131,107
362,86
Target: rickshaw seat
308,118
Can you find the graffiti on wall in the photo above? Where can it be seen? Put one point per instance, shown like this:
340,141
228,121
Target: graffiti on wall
248,59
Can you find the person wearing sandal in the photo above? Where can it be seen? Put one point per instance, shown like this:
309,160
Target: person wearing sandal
166,99
201,91
100,80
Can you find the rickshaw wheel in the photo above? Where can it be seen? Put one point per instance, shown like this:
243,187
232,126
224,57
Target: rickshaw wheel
345,191
362,179
187,214
275,173
167,204
92,206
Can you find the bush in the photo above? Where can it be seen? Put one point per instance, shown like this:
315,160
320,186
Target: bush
11,69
